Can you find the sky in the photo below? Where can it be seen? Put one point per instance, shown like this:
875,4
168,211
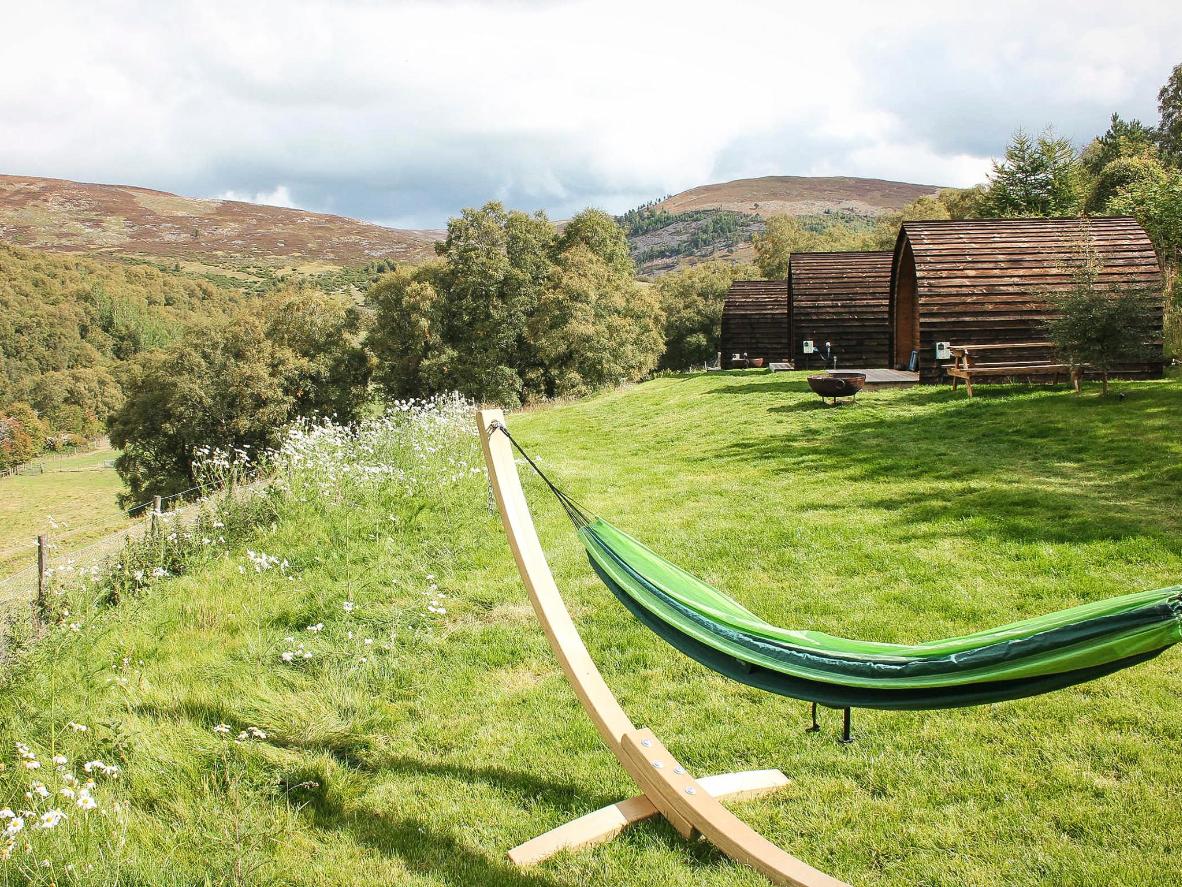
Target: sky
402,113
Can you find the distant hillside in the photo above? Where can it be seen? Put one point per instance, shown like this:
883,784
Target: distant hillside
719,220
121,219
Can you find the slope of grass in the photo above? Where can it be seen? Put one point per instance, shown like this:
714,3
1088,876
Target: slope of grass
420,758
76,493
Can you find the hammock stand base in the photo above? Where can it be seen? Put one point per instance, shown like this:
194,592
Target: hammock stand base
607,822
690,805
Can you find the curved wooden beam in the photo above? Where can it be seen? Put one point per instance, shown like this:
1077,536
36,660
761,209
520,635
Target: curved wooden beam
667,787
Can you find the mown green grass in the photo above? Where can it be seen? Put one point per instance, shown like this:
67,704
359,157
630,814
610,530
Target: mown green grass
913,514
77,493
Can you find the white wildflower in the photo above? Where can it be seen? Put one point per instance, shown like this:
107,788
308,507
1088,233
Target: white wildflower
50,819
222,728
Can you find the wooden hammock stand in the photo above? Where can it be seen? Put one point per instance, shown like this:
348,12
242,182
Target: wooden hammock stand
690,805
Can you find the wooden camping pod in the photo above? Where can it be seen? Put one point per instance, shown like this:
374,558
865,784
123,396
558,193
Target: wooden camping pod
755,321
842,298
990,281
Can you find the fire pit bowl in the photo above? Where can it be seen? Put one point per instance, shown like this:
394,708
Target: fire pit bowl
837,385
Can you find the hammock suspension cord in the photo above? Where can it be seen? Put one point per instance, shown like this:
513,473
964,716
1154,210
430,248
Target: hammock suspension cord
578,515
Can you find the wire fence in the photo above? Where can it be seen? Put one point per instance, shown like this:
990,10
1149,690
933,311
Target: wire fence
52,553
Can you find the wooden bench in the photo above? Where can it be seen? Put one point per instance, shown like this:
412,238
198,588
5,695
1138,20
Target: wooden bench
968,364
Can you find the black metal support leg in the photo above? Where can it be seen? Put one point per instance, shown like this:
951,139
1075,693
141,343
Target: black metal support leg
815,727
845,729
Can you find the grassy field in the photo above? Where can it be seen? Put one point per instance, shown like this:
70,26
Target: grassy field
77,493
420,758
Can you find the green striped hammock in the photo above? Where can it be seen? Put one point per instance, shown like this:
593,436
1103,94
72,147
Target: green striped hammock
1024,658
1020,659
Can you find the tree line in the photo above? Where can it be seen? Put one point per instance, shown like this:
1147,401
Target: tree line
511,311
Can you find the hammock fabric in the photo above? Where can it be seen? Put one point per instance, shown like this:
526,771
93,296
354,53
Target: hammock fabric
1020,659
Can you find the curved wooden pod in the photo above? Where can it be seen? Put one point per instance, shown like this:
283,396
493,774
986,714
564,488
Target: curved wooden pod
842,298
691,806
990,281
755,321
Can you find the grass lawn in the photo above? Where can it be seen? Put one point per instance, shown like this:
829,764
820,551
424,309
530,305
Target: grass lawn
76,492
912,515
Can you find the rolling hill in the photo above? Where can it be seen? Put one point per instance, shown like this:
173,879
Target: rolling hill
122,219
719,220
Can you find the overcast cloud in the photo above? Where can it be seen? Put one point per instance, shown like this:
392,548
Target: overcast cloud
404,112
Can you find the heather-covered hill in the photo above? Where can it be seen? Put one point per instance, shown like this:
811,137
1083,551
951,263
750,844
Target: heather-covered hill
125,220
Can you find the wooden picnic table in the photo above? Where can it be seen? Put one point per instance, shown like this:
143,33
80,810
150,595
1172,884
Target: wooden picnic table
968,364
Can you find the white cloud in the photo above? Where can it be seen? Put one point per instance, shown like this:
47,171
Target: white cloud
411,110
280,196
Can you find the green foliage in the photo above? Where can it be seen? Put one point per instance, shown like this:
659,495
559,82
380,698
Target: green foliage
785,235
963,203
1154,196
22,435
496,318
1038,177
595,326
68,326
236,384
886,232
1169,106
1101,325
1123,138
1124,175
324,332
406,337
602,235
692,299
495,264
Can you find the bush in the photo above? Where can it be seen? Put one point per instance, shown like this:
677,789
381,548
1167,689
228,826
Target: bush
1100,325
237,385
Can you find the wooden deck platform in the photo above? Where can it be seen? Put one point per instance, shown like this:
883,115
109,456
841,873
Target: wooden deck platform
884,376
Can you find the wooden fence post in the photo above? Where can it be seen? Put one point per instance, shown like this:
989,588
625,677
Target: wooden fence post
42,565
155,525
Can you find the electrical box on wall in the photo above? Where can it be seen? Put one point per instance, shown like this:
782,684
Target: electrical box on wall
943,351
808,346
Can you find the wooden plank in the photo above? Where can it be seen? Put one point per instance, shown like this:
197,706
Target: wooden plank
717,824
592,691
605,823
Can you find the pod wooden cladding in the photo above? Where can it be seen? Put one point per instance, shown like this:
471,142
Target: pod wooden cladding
991,281
755,321
842,298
